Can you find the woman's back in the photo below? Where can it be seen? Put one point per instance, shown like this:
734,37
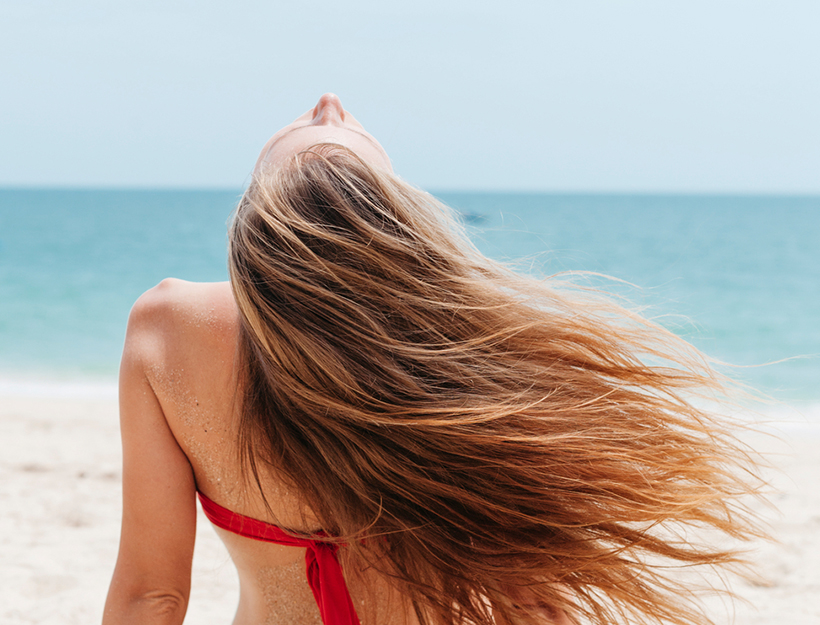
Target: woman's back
190,361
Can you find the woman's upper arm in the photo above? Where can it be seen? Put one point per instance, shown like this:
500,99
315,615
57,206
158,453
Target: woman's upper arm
151,582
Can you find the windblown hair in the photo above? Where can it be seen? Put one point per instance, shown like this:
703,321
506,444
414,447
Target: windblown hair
496,444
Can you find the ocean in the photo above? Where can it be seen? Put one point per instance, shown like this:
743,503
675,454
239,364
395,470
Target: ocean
739,276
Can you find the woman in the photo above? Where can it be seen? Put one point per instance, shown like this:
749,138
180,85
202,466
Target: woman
387,427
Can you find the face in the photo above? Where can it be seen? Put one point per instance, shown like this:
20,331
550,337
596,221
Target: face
327,122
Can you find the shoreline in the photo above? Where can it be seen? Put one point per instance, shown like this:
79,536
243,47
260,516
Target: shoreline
780,416
55,385
60,494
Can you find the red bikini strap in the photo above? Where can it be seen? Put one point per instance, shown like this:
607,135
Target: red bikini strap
324,573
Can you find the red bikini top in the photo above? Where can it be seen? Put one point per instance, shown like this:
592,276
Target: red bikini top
324,573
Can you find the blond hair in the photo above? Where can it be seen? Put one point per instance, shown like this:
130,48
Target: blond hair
498,441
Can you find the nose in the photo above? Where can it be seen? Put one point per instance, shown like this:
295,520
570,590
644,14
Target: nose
329,110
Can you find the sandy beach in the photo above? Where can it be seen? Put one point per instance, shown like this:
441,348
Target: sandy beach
59,525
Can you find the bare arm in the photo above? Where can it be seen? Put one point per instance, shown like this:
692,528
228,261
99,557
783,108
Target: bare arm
152,578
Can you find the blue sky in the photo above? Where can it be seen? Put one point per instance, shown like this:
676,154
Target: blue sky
583,95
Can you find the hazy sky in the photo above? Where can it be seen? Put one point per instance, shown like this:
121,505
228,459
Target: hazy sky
690,95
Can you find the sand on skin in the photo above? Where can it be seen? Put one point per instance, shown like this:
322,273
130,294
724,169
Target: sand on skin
60,513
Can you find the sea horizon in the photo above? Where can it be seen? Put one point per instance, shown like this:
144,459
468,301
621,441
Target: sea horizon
513,191
737,274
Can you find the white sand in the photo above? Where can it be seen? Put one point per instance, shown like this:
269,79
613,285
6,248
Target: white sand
60,514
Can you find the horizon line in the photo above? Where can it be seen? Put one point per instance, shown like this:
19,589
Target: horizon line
435,192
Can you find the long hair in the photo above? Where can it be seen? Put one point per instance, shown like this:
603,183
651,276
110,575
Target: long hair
497,445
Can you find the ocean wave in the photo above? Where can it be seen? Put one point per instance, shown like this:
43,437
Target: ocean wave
58,388
788,418
777,417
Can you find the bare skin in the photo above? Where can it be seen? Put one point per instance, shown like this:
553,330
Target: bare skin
178,424
178,391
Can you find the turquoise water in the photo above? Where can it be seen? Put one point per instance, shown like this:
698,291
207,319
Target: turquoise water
744,272
73,262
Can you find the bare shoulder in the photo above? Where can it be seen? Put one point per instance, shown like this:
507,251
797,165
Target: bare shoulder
177,304
174,300
176,319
